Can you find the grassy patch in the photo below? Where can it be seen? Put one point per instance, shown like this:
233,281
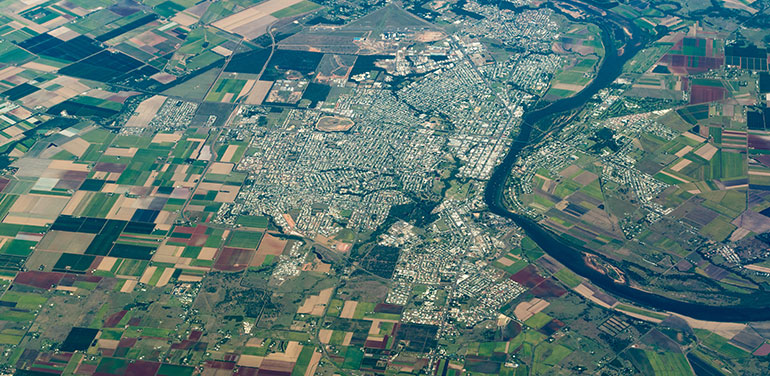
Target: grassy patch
718,229
353,358
335,307
256,221
639,311
548,355
561,93
244,239
567,277
538,320
226,90
668,363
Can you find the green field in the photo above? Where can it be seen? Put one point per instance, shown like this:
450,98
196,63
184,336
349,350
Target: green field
362,308
130,267
226,90
513,268
15,316
99,205
255,221
531,249
205,59
23,300
567,277
345,235
733,165
199,40
338,337
18,247
335,307
729,203
548,355
10,339
196,87
585,65
353,358
10,54
562,93
303,361
573,78
566,188
718,229
538,320
244,239
718,343
525,343
660,363
488,348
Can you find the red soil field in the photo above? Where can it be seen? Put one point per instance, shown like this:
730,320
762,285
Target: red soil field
377,344
43,280
218,364
114,319
528,277
759,142
233,259
141,368
109,167
705,94
388,308
127,342
548,289
246,371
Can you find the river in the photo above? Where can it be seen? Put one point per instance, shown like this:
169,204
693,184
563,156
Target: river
611,67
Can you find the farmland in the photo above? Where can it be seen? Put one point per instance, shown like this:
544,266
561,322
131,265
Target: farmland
227,90
303,188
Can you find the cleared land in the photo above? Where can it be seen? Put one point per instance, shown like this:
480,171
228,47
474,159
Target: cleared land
146,111
253,22
334,124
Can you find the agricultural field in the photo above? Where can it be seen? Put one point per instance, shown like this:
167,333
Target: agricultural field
253,21
229,90
584,50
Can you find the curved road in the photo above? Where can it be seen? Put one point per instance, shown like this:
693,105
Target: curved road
610,68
